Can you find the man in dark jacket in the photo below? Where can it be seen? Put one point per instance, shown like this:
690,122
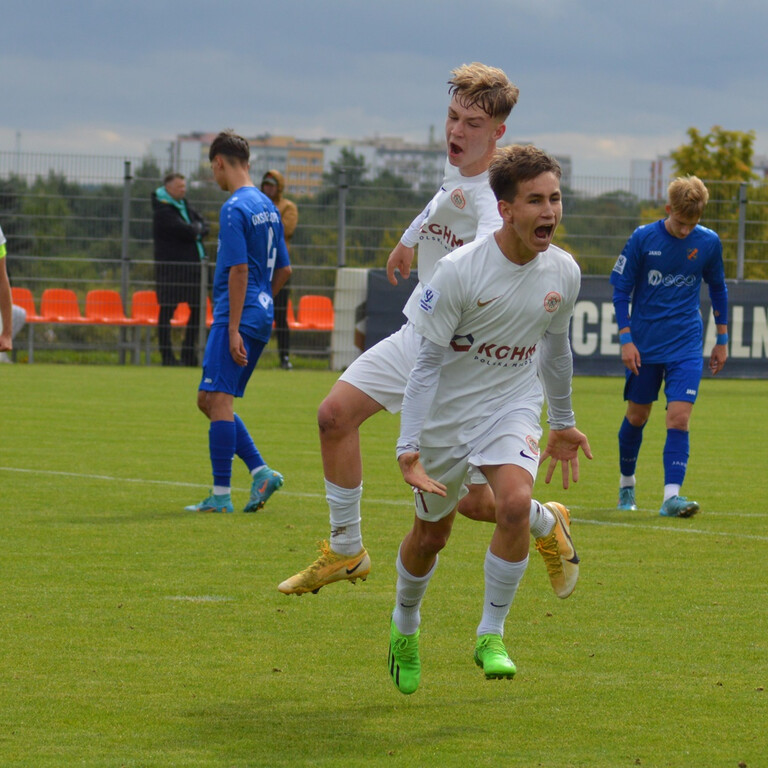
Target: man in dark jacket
178,232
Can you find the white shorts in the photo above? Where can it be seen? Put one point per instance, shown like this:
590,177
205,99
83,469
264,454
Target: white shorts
511,440
382,371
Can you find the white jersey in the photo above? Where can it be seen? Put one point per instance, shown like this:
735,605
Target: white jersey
464,209
491,314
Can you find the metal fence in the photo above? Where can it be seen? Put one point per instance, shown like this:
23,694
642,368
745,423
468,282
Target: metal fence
85,222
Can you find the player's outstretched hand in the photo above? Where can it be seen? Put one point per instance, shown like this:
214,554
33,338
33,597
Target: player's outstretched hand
237,348
415,475
563,446
400,259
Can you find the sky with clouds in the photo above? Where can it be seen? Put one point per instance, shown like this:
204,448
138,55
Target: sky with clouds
603,81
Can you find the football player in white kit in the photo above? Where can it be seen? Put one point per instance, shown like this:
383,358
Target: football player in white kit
463,209
493,324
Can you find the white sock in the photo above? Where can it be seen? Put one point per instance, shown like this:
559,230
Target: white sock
501,581
627,481
257,469
344,504
542,521
220,490
410,591
670,491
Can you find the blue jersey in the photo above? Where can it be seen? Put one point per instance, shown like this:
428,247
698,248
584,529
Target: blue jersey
250,232
663,275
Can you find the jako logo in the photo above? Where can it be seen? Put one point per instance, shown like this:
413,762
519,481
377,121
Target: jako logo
656,278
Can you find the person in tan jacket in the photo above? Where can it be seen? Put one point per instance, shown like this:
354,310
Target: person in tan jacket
272,185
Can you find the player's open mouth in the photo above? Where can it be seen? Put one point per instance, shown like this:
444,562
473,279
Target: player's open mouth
544,232
455,149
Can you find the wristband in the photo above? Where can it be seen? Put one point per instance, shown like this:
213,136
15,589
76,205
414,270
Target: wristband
625,338
722,338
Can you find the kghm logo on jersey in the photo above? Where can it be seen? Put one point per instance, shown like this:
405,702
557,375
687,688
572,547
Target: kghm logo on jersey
552,301
439,234
458,199
462,343
504,355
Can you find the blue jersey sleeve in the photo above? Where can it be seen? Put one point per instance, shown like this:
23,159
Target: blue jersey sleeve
233,243
714,277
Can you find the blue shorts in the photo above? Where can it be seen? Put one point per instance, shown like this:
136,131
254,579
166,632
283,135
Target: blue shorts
220,372
681,382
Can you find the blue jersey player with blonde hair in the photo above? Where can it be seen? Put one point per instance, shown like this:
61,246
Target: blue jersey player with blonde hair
660,271
251,267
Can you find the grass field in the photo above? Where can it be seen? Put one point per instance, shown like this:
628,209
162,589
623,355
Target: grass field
135,634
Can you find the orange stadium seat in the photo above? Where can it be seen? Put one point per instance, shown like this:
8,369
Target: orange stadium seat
144,307
315,313
60,305
105,306
22,297
290,318
181,314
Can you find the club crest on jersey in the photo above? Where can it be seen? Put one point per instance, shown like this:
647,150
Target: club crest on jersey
692,253
533,444
458,199
552,301
428,300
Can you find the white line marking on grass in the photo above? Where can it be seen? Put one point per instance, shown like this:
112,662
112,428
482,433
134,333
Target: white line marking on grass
178,484
199,598
669,529
404,502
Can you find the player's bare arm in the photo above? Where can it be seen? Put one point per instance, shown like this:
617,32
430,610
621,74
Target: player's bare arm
238,283
563,447
280,278
400,259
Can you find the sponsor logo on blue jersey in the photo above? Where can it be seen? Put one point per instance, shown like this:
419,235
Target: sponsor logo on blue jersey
656,278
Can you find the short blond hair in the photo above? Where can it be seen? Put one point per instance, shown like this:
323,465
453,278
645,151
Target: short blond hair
486,87
687,196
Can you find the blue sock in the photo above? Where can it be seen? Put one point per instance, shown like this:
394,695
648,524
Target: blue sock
675,456
221,443
630,439
245,448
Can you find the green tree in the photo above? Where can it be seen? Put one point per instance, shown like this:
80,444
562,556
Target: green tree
723,159
719,155
351,163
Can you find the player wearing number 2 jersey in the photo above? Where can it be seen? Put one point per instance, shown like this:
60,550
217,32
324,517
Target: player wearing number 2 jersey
251,267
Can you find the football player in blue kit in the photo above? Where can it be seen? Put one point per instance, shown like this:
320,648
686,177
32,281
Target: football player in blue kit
660,271
251,267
